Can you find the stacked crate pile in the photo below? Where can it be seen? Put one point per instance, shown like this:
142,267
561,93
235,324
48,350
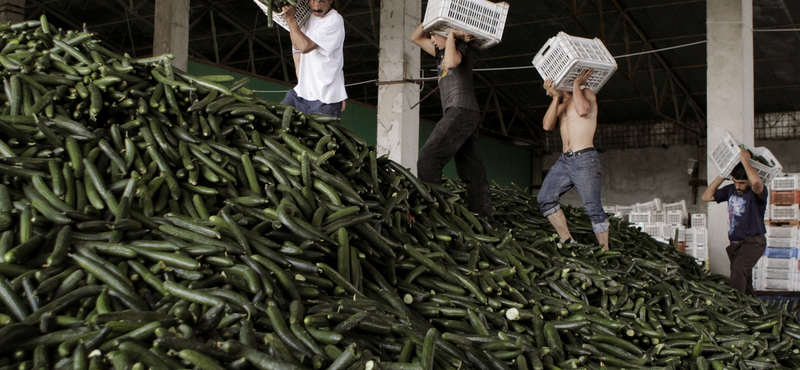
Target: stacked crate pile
778,269
668,221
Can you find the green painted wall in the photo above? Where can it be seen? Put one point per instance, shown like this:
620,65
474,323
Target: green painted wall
504,164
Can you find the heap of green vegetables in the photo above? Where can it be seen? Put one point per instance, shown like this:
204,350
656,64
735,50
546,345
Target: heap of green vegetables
154,219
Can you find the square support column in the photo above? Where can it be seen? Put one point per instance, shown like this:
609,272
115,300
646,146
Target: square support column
730,101
399,60
171,33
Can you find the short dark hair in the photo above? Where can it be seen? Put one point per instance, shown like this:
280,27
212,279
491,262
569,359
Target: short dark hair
739,173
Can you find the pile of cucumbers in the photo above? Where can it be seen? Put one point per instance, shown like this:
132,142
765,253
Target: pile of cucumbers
150,218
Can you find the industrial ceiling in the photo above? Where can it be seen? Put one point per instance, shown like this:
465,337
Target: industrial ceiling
659,46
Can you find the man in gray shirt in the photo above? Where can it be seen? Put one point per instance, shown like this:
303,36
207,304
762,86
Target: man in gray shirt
456,134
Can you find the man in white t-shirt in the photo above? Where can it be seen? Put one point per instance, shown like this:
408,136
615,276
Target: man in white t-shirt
318,52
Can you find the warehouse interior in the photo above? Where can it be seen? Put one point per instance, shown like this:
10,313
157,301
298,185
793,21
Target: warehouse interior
160,209
653,118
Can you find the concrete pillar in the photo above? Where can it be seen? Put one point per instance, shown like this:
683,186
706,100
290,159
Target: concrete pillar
171,33
12,11
730,101
399,60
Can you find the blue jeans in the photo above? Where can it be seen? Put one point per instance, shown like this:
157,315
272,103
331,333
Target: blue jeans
311,107
583,172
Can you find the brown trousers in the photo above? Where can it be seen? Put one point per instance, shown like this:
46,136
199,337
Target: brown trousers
743,256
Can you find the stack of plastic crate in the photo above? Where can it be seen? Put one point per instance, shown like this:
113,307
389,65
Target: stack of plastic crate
699,220
623,212
670,232
784,199
651,206
697,243
777,270
676,212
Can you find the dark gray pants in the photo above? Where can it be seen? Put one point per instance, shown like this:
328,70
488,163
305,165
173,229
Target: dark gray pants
456,136
743,256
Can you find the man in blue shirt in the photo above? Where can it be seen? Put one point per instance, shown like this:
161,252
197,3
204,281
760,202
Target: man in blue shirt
747,202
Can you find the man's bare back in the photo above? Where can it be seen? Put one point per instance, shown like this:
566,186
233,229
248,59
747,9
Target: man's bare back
576,114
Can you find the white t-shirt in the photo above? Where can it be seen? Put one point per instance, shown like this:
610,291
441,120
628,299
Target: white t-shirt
321,75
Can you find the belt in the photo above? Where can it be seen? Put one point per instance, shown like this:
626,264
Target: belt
570,153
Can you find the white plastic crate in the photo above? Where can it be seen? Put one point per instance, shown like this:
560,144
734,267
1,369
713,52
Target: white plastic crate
777,284
785,183
301,15
658,217
698,252
651,206
564,57
778,264
784,213
639,217
699,220
696,238
483,19
765,279
655,230
669,232
781,242
675,217
726,156
781,232
677,206
624,209
610,209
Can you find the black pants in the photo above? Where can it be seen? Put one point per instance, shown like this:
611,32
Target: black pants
456,136
743,256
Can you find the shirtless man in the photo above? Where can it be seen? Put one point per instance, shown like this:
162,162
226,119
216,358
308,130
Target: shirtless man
579,166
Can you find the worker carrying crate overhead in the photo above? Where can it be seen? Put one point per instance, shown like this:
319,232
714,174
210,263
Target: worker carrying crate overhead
480,18
564,57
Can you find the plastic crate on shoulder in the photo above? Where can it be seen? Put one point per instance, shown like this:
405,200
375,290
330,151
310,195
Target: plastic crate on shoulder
726,156
696,238
784,213
675,217
670,230
781,242
483,19
699,220
785,183
784,198
639,217
781,232
564,57
303,11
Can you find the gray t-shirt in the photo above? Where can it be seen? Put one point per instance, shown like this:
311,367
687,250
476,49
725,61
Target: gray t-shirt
455,86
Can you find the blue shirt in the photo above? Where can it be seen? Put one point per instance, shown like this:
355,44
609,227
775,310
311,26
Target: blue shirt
745,212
